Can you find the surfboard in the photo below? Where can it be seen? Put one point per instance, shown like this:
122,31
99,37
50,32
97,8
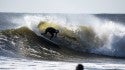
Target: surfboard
51,42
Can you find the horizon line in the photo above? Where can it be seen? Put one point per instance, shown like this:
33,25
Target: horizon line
56,12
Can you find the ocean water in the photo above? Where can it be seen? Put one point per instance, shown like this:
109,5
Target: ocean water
94,40
7,63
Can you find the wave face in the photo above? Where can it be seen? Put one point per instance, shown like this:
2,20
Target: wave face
99,34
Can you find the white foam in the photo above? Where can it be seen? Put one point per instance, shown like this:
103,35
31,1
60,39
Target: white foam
24,64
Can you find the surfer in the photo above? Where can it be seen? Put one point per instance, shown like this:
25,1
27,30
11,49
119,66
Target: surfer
80,67
52,31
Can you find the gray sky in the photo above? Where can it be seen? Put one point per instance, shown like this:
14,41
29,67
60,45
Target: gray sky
63,6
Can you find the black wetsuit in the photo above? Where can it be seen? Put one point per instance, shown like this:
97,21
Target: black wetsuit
52,31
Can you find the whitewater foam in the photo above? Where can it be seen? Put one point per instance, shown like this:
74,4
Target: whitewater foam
27,64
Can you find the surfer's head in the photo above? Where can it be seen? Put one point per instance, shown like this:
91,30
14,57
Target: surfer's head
80,67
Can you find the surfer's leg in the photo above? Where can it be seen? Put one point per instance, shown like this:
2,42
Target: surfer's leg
52,35
55,35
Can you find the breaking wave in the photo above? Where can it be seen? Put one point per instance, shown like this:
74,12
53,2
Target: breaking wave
83,33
